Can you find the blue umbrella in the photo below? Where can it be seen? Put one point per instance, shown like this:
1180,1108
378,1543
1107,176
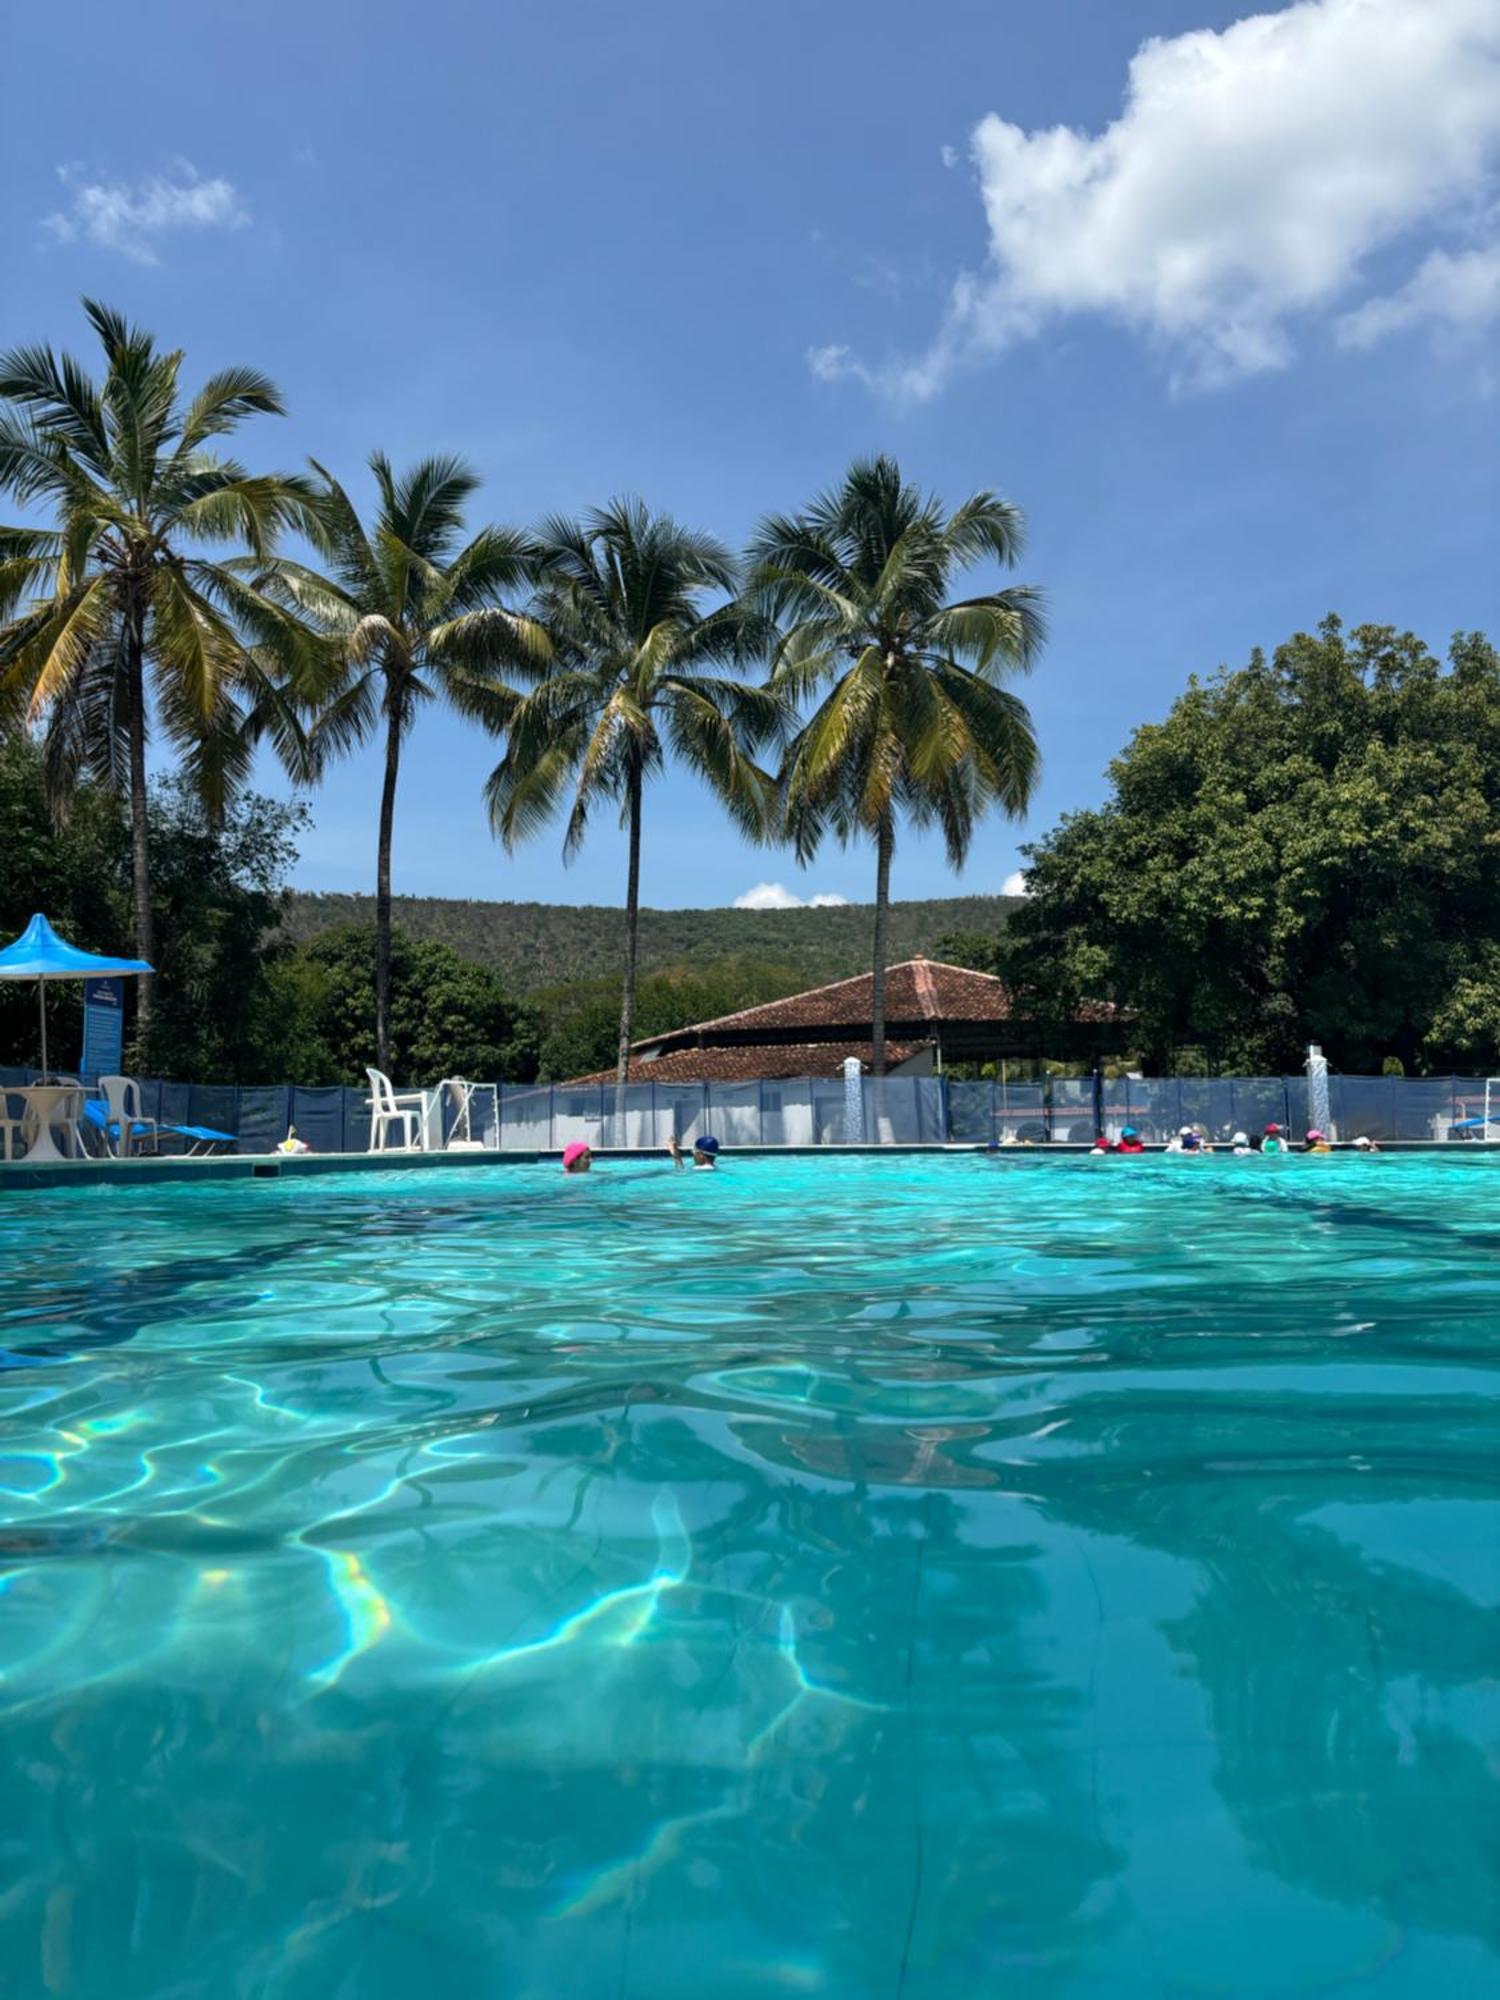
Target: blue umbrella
40,954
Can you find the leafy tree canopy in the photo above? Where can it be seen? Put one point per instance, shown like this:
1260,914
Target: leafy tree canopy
217,883
448,1017
1307,849
582,1018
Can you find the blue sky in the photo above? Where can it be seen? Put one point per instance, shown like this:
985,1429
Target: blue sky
1228,339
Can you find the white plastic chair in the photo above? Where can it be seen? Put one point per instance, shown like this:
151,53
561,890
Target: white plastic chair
122,1103
12,1124
387,1109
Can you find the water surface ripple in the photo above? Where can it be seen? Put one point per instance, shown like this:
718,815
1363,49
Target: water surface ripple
931,1577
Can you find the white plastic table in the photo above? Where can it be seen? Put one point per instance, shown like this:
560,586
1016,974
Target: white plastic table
50,1104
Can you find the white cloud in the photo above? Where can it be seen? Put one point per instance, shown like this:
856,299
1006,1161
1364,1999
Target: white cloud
775,896
949,156
1014,884
1459,292
131,217
828,363
1251,175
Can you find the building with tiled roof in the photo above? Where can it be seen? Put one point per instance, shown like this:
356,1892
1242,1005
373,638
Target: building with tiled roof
934,1014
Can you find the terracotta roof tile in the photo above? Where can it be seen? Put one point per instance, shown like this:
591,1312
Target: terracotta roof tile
751,1062
919,991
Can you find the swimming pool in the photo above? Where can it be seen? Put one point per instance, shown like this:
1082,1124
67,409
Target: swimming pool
929,1577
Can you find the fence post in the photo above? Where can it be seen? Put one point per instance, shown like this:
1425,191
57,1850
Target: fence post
1098,1100
760,1109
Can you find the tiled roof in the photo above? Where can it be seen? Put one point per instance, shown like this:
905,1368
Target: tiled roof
752,1061
922,990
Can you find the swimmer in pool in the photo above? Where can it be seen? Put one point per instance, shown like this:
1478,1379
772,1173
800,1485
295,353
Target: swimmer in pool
577,1158
705,1152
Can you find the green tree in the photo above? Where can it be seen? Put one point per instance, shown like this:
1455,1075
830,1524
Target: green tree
218,883
416,615
639,670
220,888
980,951
447,1016
76,872
1305,849
110,617
581,1019
915,724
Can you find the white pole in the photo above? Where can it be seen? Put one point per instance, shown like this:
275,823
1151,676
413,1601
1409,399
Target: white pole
41,1005
1317,1091
854,1103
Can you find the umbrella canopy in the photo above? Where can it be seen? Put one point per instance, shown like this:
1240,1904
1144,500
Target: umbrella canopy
39,954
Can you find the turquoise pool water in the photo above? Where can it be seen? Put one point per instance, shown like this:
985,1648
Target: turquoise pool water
921,1577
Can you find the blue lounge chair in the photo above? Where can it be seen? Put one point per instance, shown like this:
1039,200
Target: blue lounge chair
202,1139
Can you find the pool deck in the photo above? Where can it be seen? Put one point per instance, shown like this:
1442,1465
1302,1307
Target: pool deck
16,1175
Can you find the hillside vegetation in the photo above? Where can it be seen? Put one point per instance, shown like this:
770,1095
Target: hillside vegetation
546,944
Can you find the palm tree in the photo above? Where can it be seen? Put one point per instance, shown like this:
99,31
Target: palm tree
110,617
415,615
638,671
915,722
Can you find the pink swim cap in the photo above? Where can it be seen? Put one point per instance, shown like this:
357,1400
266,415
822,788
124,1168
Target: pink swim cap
574,1152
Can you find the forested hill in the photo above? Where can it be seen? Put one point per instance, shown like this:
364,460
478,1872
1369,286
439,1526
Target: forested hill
542,944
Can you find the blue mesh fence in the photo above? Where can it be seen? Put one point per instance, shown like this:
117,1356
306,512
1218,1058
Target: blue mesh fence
802,1111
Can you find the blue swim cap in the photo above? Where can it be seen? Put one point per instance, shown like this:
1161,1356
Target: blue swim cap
706,1144
1128,1132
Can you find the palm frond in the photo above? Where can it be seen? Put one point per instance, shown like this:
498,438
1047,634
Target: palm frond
424,508
64,402
28,559
60,643
1001,632
493,637
345,721
524,796
707,741
224,401
196,652
88,729
985,525
333,526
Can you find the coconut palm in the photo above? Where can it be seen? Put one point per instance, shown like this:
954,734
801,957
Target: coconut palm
415,614
112,617
639,671
915,724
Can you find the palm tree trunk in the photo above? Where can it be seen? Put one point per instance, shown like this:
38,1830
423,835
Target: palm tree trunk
632,922
383,888
140,844
885,842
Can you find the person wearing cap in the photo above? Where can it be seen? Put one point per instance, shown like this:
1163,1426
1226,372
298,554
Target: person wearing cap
1273,1141
1317,1142
1240,1145
1130,1141
577,1157
1185,1140
1364,1145
705,1152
